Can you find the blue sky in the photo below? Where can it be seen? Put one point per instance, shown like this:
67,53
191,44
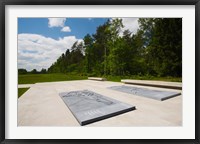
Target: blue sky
79,27
42,40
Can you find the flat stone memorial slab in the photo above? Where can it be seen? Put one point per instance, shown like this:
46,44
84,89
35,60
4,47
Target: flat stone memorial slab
153,94
89,107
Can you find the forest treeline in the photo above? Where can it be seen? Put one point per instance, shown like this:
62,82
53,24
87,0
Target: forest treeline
155,50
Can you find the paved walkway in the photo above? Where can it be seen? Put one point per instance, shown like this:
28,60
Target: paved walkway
42,106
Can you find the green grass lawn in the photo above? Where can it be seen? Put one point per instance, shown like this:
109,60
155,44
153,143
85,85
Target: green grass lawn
34,78
118,78
21,91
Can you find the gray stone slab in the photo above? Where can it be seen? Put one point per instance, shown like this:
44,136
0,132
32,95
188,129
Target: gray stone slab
149,93
88,106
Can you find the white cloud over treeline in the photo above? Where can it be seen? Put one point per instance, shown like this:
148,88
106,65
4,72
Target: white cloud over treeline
37,51
131,24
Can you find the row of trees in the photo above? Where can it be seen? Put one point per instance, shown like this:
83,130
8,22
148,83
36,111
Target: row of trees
156,49
71,61
34,71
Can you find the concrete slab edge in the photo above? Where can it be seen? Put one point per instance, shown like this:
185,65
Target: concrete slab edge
154,85
106,116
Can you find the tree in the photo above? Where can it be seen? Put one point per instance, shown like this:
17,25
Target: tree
43,71
111,60
146,27
69,61
88,41
155,49
100,48
22,71
165,49
34,71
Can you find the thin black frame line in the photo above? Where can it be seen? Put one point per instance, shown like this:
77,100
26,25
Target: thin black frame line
2,73
89,2
99,17
197,70
101,2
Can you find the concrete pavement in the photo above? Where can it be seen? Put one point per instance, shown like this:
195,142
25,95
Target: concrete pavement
41,105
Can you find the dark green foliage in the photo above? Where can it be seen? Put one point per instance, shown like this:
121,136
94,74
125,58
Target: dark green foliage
34,71
89,56
70,61
22,71
165,47
43,71
155,50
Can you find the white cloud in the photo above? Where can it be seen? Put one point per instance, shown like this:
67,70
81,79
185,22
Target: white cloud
129,23
57,22
66,29
37,52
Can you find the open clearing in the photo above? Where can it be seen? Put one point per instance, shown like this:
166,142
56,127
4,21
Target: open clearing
35,78
41,105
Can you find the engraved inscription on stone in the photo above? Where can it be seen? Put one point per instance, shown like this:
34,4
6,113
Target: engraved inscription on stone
154,94
92,112
88,106
85,100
